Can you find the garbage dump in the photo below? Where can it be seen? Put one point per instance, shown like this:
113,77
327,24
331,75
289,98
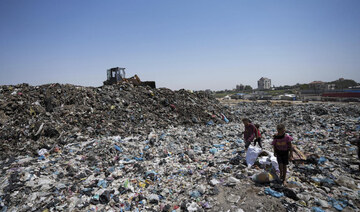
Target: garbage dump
169,161
32,118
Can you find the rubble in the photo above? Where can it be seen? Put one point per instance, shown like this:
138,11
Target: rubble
168,162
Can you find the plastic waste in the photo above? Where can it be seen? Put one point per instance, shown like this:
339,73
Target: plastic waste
263,177
42,152
317,209
192,207
209,123
153,199
321,160
273,193
224,118
213,150
102,183
195,194
118,148
339,205
270,159
83,170
252,154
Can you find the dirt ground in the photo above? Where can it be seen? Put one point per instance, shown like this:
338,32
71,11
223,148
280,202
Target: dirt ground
248,197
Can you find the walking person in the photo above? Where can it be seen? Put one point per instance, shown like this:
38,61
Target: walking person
282,150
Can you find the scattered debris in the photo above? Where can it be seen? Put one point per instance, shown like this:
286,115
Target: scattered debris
124,148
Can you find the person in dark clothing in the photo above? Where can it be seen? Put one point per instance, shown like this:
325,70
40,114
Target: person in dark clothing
258,139
249,133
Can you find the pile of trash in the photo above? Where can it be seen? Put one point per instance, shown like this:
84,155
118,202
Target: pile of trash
325,172
176,169
35,117
194,167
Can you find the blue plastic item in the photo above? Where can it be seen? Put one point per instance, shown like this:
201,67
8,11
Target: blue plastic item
150,172
162,136
218,145
210,123
328,181
273,193
317,209
338,205
118,148
195,194
102,183
322,160
213,150
239,141
323,180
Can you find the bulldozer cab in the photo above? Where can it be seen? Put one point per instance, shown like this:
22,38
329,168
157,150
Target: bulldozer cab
115,75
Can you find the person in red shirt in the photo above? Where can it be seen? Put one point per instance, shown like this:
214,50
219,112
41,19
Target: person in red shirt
258,139
282,150
249,133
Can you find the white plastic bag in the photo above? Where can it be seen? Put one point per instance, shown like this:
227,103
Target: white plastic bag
251,155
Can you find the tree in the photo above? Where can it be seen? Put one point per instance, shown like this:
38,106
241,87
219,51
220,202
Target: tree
344,83
304,87
240,87
248,88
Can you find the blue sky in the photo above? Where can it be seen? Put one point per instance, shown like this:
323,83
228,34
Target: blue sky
191,44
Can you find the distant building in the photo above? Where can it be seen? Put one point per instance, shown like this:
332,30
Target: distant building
264,83
317,85
330,87
338,90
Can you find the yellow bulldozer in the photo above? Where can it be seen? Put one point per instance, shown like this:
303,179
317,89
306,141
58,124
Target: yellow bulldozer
117,75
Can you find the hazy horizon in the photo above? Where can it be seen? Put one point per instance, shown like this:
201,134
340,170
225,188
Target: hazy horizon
232,88
194,45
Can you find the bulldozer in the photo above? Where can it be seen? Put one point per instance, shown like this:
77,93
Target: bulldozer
117,75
